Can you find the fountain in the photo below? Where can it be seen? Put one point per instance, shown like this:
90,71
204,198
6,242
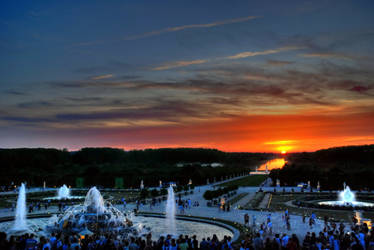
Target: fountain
63,192
20,218
347,198
97,216
94,215
170,212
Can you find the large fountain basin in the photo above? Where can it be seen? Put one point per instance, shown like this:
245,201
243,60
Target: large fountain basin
157,227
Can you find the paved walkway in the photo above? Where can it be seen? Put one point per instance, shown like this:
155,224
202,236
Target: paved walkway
236,215
244,201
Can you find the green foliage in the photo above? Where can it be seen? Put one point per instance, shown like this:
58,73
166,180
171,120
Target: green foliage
212,194
79,182
154,192
163,191
101,166
144,193
118,183
331,167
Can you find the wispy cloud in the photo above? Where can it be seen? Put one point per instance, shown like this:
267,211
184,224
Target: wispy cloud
328,55
102,77
264,52
178,64
189,26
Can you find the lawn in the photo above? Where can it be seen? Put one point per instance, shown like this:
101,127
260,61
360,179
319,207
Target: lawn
248,181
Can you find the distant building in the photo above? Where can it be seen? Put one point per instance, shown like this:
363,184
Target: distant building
213,165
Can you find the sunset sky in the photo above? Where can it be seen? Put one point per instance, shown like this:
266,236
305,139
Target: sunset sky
260,76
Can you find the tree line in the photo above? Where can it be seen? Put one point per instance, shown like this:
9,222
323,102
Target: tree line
331,167
101,166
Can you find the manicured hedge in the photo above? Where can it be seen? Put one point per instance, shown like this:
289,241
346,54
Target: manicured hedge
211,194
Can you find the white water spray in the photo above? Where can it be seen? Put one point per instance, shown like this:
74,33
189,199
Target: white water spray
95,200
20,218
63,192
170,212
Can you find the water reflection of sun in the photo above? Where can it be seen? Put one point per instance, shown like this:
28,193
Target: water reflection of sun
272,164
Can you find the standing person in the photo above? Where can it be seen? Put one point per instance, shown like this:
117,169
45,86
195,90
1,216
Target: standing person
285,239
195,242
246,219
270,227
184,245
288,223
311,222
124,203
254,221
173,245
258,242
30,242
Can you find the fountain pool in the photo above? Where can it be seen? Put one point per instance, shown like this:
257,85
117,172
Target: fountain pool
347,198
156,226
96,215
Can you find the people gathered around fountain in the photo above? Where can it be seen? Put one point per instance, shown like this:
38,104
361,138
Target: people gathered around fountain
333,236
97,224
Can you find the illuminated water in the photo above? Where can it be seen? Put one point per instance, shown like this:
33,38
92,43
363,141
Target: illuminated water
63,192
20,217
347,198
272,164
170,212
157,227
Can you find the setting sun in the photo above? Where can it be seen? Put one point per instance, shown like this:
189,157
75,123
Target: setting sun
283,152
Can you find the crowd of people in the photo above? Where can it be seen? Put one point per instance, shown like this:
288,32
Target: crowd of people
359,237
332,237
109,241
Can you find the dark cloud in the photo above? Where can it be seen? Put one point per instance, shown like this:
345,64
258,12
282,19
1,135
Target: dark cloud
359,89
278,62
84,99
166,110
24,119
36,104
14,92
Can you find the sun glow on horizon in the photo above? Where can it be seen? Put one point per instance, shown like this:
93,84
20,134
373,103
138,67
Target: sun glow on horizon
283,146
